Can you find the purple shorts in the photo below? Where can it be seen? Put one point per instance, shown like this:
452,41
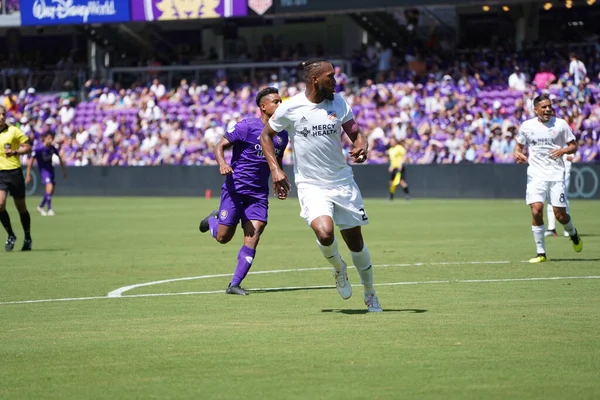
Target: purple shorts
47,176
235,207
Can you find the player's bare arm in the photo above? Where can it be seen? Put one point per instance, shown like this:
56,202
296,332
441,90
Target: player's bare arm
520,156
570,149
224,168
280,179
281,195
62,166
28,173
361,145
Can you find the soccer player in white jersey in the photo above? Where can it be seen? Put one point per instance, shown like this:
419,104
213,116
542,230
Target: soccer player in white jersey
327,191
548,139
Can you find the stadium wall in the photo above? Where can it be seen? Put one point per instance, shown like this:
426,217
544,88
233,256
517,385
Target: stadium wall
426,181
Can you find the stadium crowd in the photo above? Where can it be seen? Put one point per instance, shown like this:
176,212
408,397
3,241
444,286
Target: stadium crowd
467,111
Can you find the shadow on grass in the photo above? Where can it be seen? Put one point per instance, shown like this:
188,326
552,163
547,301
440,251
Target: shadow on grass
574,259
290,289
364,311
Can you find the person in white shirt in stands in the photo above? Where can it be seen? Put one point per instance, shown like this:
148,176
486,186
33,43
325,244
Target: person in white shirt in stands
517,80
577,69
327,191
548,139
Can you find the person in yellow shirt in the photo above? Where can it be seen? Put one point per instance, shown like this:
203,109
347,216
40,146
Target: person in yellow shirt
14,144
397,155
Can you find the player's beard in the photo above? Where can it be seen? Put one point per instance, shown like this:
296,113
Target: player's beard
323,91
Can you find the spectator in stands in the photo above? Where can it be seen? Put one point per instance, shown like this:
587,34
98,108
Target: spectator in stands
577,69
518,80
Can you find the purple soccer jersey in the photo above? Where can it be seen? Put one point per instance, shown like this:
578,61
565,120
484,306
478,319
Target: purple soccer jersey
245,193
250,169
43,156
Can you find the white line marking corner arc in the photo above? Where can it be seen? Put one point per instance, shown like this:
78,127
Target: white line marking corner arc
119,292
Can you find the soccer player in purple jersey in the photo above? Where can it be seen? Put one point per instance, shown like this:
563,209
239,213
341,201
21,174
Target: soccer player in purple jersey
43,154
245,193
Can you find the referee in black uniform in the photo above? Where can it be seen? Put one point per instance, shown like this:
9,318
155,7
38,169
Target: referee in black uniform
13,144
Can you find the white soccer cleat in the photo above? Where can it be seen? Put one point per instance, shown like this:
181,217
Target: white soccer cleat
50,213
372,302
342,283
41,211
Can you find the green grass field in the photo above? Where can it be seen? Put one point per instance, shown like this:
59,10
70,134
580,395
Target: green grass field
492,327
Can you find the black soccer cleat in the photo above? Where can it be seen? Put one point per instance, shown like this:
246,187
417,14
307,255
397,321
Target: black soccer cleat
26,245
10,243
204,226
236,289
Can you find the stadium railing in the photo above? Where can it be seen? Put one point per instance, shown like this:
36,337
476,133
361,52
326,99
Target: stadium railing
205,74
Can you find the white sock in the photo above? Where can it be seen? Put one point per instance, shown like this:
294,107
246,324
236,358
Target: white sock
332,254
362,262
538,237
551,217
569,227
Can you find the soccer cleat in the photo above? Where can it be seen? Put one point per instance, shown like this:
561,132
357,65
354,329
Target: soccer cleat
540,258
550,232
372,303
204,226
342,283
26,245
10,243
236,289
577,242
41,211
50,213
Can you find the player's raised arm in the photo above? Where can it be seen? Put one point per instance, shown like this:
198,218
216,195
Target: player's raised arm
361,145
220,148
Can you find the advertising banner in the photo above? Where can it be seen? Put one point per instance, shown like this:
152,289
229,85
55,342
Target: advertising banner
66,12
164,10
322,6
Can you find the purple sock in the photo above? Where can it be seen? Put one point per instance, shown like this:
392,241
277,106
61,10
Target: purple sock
213,223
245,258
48,201
43,203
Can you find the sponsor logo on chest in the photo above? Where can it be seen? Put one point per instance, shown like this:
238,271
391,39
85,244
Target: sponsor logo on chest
321,123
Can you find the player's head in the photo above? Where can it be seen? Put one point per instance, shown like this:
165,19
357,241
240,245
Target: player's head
47,138
268,100
573,56
393,141
319,75
542,105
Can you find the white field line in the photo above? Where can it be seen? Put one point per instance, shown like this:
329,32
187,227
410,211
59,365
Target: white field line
552,278
119,292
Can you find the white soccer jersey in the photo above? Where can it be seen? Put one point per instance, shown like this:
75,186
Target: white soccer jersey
541,139
315,131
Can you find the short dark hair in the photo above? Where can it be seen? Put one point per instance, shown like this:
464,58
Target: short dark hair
265,92
541,98
310,66
49,133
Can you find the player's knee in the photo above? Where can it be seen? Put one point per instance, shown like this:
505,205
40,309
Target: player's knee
223,238
561,215
325,237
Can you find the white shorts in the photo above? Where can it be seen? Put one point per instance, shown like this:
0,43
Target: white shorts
344,204
539,191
